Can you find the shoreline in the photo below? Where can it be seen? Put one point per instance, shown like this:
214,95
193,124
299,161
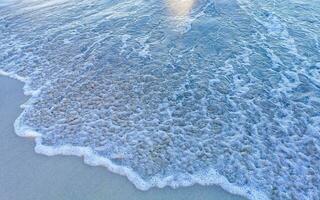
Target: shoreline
12,87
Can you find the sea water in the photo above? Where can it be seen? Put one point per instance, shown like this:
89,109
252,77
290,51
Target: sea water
174,92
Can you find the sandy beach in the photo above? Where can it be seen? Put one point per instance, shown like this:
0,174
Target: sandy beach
25,175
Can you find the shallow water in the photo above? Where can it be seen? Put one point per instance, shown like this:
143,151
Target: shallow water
25,175
174,93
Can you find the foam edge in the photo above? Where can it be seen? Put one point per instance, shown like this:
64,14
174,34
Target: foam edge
210,177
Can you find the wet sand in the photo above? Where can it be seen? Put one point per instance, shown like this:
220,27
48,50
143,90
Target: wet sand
25,175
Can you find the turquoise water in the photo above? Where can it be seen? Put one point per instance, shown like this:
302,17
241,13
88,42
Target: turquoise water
174,92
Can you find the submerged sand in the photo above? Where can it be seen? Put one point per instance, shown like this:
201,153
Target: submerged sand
25,175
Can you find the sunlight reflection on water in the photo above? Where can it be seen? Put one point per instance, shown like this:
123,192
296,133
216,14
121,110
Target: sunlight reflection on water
180,8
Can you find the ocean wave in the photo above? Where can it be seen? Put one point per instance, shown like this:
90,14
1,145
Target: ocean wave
224,93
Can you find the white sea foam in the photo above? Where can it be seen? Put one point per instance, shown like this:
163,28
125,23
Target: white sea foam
210,177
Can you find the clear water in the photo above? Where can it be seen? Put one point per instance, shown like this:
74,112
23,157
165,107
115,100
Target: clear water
174,92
